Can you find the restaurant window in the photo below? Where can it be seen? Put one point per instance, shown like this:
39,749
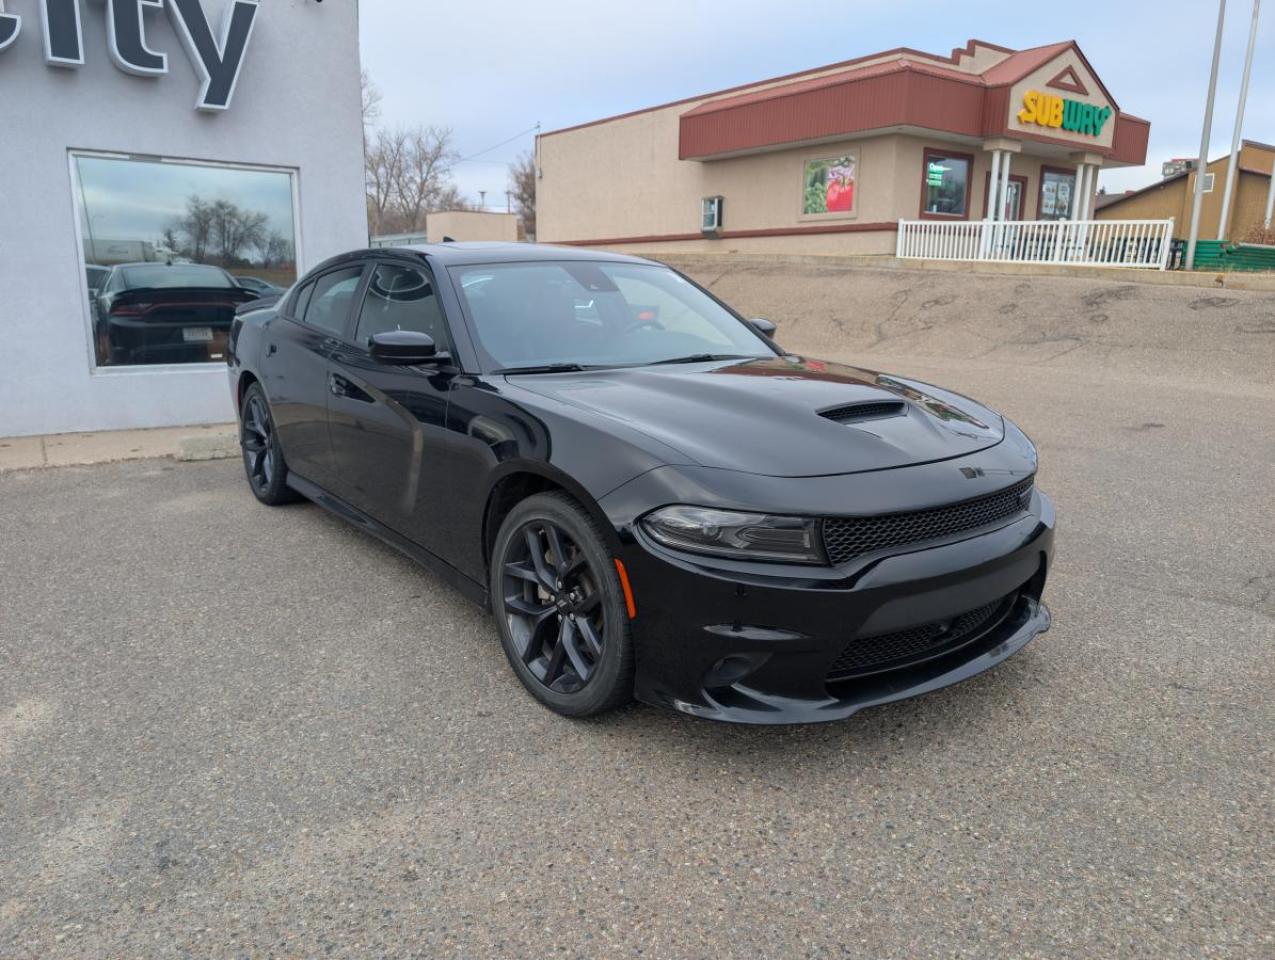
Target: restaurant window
829,186
170,249
945,189
1056,189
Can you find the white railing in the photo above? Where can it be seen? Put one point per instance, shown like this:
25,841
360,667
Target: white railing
1101,243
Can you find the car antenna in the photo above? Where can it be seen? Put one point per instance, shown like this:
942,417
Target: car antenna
447,239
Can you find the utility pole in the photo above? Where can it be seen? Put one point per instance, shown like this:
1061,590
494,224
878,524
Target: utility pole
1202,165
1232,165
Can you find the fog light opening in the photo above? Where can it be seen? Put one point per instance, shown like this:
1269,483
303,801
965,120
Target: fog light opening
732,669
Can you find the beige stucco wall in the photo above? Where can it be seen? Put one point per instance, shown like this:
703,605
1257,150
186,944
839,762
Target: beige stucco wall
1174,199
622,179
649,193
471,225
1038,79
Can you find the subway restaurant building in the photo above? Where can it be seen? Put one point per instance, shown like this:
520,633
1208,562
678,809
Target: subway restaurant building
828,161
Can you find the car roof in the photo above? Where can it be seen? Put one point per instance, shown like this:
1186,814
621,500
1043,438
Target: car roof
482,251
163,263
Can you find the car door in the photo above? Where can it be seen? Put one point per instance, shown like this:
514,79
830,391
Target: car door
295,367
388,423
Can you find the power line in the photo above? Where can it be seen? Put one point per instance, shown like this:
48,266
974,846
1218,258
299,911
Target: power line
520,133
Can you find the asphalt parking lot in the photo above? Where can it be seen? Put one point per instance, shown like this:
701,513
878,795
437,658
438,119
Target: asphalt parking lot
227,730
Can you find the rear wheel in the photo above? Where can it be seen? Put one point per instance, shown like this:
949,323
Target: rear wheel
262,458
560,608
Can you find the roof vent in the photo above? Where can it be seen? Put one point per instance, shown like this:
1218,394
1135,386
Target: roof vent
872,410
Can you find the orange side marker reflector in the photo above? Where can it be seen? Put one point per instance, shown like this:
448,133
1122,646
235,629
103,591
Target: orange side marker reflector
628,590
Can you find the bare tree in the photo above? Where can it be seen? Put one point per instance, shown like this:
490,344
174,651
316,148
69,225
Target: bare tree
382,161
408,175
427,163
276,250
217,230
522,184
195,226
371,100
235,229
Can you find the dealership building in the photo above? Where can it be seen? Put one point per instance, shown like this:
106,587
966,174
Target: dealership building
217,131
828,161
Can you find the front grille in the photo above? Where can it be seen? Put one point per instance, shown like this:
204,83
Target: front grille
872,654
873,410
845,538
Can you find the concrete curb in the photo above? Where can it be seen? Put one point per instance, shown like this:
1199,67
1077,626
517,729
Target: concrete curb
209,442
1171,278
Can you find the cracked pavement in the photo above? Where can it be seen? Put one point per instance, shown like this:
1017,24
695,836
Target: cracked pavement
231,731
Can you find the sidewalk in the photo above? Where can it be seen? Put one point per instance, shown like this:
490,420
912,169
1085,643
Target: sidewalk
206,442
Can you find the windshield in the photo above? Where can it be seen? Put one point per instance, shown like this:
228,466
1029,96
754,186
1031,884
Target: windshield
163,276
596,314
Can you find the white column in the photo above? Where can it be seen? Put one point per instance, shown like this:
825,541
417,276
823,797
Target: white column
992,182
1077,191
1003,193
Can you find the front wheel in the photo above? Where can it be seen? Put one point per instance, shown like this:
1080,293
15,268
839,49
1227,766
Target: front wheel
262,458
560,608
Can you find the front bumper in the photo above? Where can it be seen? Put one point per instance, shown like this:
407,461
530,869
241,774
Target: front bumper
738,646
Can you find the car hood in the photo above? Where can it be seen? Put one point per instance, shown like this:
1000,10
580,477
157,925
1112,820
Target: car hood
771,416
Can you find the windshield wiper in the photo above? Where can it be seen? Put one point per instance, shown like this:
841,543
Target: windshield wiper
702,357
545,368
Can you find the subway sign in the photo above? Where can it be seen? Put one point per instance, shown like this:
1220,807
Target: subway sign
1046,110
217,61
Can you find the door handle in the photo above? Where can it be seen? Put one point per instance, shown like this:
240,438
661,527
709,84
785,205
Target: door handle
337,386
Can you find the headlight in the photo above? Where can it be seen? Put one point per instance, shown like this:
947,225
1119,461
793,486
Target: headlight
729,533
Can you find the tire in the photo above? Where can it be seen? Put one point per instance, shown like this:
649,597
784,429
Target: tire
263,462
563,622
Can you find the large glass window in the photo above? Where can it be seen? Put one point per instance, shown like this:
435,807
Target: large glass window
945,189
164,244
597,314
1056,189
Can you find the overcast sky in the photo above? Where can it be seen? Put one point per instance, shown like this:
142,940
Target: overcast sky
491,69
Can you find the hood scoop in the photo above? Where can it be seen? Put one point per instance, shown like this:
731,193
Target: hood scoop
870,410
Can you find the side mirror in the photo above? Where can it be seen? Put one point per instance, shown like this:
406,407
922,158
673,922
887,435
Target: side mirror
764,327
402,347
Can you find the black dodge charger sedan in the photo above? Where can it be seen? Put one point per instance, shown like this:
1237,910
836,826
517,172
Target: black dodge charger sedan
653,498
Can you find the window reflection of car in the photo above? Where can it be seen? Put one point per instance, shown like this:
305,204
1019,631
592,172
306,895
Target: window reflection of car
94,274
262,288
165,312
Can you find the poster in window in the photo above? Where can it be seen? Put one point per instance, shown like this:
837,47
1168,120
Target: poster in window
1055,195
830,186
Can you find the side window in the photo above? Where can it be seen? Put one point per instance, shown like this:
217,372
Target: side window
300,300
401,297
330,301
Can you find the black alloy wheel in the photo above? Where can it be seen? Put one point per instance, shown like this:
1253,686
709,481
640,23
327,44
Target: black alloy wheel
262,459
560,607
